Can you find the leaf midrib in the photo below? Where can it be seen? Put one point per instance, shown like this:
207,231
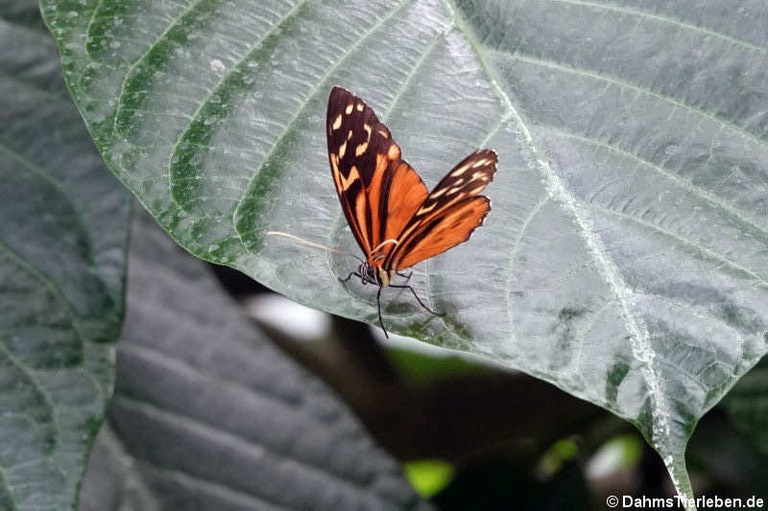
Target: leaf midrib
639,342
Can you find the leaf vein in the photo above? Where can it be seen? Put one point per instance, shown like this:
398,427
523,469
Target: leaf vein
314,91
685,185
622,83
231,72
665,19
639,339
714,255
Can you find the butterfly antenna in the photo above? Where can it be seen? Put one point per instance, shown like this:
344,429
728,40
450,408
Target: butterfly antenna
311,244
382,245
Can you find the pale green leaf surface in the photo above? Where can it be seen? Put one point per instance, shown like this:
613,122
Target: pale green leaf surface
625,256
62,260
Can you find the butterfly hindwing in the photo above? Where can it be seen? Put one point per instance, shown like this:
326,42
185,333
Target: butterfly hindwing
379,192
449,214
437,234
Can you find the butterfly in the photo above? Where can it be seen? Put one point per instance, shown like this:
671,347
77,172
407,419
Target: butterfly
396,221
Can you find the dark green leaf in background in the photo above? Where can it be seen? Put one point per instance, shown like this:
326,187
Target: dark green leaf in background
625,256
63,238
748,405
208,414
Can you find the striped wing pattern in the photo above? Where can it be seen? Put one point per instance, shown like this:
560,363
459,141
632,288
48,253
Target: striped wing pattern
379,192
450,213
394,218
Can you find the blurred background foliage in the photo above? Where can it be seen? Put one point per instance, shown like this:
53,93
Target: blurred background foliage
478,436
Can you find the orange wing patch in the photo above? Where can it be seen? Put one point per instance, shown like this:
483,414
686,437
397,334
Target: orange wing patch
396,222
449,230
378,191
450,204
442,232
407,193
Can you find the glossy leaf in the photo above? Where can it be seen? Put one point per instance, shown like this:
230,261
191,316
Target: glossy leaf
624,259
63,239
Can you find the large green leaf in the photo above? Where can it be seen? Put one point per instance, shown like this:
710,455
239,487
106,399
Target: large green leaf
624,259
208,414
62,263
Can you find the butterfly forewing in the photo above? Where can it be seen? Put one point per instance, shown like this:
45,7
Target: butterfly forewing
378,191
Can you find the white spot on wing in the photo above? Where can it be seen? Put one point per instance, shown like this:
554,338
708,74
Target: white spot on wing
438,193
337,123
459,171
423,210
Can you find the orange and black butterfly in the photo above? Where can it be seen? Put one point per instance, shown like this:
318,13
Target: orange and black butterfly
396,221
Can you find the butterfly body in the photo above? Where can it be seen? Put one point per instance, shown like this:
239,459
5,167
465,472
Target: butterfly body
395,220
375,274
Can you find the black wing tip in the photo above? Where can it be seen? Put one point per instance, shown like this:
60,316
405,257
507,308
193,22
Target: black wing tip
486,151
337,97
338,89
480,153
493,155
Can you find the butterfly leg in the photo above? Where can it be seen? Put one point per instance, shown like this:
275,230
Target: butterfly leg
418,299
378,303
350,276
407,277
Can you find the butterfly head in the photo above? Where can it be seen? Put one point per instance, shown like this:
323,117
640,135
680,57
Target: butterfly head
374,274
